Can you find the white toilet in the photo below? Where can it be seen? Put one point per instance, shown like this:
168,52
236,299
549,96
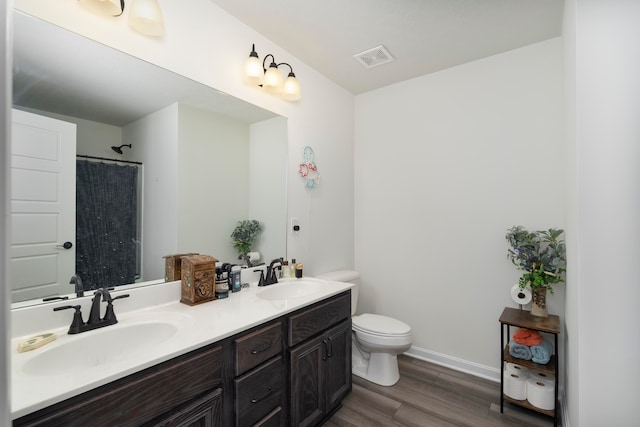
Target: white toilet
376,340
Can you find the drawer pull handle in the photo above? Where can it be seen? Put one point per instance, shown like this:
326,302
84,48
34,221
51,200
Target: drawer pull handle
329,347
261,348
256,400
326,350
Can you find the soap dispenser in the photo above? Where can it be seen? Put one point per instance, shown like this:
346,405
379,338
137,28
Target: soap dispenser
292,268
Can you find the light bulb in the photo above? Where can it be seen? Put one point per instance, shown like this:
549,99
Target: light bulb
253,72
273,79
146,17
291,90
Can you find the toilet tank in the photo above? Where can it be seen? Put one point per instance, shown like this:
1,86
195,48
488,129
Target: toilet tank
348,276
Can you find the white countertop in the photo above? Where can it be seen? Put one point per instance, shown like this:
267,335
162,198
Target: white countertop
198,326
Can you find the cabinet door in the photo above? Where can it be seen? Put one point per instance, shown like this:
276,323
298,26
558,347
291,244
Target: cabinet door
307,382
205,411
338,364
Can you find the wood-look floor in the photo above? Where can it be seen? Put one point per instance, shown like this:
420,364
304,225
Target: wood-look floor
431,395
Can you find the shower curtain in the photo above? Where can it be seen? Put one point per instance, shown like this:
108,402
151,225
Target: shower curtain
106,223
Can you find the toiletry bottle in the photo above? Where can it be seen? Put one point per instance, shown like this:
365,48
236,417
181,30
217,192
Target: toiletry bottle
292,268
222,283
298,271
234,278
285,269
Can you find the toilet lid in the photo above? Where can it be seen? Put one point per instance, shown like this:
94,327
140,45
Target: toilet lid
376,324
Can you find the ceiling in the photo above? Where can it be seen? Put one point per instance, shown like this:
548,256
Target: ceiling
424,36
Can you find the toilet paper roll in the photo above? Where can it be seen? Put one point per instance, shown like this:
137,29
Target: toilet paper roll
513,368
540,394
515,386
541,376
254,256
521,296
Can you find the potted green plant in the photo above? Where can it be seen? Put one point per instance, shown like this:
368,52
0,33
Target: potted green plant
244,234
541,255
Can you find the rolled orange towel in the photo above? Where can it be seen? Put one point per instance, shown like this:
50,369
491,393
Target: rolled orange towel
527,337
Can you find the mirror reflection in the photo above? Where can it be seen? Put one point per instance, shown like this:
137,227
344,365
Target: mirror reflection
203,161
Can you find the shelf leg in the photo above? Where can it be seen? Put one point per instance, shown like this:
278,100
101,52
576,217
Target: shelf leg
555,406
502,365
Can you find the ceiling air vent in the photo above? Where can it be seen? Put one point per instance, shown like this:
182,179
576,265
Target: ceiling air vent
373,57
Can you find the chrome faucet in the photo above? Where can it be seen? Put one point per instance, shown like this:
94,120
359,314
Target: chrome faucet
94,322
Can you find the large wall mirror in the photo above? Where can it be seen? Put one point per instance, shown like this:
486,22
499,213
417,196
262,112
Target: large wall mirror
205,160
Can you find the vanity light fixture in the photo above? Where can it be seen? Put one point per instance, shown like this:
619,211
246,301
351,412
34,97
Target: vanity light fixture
145,16
271,78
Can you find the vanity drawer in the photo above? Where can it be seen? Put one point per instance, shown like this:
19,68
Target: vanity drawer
259,392
275,418
252,349
311,321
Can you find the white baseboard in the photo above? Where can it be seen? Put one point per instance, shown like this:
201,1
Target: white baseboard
472,368
476,369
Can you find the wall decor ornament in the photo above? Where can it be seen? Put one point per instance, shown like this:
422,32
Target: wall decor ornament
308,169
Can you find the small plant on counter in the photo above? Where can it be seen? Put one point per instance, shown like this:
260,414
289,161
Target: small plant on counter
244,234
540,254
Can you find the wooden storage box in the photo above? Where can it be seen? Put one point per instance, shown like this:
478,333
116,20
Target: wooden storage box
172,266
198,279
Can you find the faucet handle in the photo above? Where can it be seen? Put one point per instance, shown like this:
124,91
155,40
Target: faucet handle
77,323
110,315
110,300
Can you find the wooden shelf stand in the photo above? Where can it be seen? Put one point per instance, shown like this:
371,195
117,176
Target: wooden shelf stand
523,319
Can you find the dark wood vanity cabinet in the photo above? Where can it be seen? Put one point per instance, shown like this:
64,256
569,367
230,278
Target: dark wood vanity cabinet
294,370
300,380
204,411
320,365
185,391
259,383
320,375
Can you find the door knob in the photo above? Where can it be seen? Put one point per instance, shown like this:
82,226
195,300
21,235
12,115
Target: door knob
65,245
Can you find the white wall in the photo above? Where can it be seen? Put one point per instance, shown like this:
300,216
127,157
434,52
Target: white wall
213,182
603,349
268,159
96,139
445,164
156,137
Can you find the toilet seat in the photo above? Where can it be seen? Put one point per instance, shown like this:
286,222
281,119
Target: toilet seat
378,325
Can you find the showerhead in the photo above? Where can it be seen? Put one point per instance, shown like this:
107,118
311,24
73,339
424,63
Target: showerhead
119,149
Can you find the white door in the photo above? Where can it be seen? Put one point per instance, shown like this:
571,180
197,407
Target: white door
43,206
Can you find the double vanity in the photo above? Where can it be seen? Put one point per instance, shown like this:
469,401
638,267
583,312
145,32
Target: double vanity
269,356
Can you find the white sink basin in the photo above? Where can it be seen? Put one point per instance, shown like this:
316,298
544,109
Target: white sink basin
91,349
294,289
